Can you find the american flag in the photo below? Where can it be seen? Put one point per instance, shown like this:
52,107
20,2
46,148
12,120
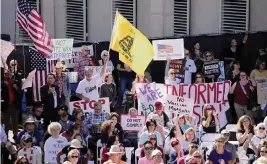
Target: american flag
165,48
43,67
31,21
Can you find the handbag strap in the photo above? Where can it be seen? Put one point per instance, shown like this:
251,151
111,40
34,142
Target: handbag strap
243,89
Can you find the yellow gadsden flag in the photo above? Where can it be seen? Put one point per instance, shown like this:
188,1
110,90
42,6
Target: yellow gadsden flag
134,48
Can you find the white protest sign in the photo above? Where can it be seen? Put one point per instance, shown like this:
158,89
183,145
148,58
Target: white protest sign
52,147
97,69
133,123
179,105
73,76
173,48
89,107
215,94
29,80
62,49
6,49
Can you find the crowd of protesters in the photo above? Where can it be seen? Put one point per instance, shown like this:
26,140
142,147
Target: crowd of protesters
78,137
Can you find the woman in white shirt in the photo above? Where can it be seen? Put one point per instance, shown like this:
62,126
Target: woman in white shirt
259,135
33,155
105,56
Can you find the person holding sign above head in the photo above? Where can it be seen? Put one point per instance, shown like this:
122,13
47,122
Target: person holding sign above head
104,57
190,68
138,79
170,75
62,81
88,88
210,120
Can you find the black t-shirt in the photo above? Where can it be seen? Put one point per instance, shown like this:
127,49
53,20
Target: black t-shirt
83,152
243,131
230,54
125,74
212,126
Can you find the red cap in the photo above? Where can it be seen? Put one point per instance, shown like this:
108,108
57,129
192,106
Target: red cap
158,103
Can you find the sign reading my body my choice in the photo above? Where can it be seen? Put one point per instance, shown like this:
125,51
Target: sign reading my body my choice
62,49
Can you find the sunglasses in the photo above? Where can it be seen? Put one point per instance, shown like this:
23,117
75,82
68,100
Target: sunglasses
174,144
73,156
171,73
194,147
263,151
208,55
226,134
153,139
23,163
158,156
261,128
198,156
28,141
198,77
13,64
209,109
148,148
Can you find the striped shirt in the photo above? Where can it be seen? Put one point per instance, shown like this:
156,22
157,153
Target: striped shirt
80,63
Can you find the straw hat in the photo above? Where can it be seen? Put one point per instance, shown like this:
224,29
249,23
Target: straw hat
29,121
114,149
59,65
75,144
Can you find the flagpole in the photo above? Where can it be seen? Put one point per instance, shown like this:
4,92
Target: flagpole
15,37
112,29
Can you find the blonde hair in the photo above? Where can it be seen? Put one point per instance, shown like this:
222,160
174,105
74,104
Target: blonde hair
72,152
53,125
241,120
189,130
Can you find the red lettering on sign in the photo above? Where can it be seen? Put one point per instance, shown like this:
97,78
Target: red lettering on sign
219,92
182,89
192,92
211,87
84,105
76,105
167,88
198,116
201,90
174,91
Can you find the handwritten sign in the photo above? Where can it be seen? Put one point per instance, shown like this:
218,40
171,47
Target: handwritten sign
52,147
89,107
262,93
73,76
178,66
179,105
6,49
97,69
215,94
172,48
132,123
62,49
211,67
29,80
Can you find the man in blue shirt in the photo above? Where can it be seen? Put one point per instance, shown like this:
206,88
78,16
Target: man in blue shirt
30,128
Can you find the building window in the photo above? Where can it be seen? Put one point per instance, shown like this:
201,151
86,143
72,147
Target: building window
234,16
181,17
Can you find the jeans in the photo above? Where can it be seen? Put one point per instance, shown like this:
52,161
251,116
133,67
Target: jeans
124,83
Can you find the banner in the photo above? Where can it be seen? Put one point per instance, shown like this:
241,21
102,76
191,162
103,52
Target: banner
62,49
73,76
222,73
6,49
211,67
89,107
178,66
29,80
97,69
77,52
262,93
133,123
215,94
173,49
179,105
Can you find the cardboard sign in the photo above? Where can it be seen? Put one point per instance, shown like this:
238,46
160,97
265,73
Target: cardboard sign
52,147
132,123
29,80
179,105
178,66
211,67
62,49
222,73
89,107
262,93
73,76
97,69
173,49
6,49
215,94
